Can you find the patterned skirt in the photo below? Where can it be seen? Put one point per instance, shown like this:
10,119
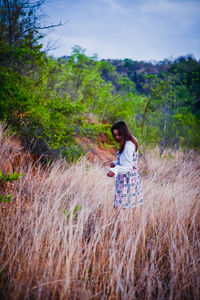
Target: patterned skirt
128,190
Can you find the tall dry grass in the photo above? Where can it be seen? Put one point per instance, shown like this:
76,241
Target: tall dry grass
151,252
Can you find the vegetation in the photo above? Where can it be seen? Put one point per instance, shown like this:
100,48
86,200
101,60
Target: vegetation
49,101
7,178
62,239
170,96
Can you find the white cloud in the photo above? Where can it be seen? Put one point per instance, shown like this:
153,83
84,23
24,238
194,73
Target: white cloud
139,29
177,8
171,18
115,7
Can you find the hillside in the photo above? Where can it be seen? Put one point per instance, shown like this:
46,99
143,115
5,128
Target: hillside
61,238
186,67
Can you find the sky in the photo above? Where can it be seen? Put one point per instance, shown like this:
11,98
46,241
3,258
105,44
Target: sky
149,30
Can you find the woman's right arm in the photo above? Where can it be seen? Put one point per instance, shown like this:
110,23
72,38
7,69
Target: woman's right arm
114,163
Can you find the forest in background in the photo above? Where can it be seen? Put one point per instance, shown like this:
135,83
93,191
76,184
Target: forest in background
50,101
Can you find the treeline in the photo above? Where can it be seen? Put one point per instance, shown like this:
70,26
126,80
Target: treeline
50,101
186,67
172,90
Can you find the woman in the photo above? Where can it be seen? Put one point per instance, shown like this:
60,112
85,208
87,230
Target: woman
128,190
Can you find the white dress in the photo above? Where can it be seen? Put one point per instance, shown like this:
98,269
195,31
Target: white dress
128,187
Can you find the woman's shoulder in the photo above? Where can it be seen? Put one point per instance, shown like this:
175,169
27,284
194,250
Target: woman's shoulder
129,145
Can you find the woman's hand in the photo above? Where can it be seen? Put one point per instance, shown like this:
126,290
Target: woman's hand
110,174
112,165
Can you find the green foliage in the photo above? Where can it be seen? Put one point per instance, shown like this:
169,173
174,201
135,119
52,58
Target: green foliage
74,212
7,178
168,113
20,49
50,101
8,198
72,152
71,98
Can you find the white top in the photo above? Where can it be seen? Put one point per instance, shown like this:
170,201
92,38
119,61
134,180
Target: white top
125,161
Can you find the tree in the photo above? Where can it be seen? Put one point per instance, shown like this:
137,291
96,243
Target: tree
168,113
20,33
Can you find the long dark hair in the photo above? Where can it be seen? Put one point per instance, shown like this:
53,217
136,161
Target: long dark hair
125,134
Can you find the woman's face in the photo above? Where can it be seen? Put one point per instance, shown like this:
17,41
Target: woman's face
116,134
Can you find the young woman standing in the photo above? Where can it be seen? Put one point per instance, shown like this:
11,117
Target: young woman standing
128,189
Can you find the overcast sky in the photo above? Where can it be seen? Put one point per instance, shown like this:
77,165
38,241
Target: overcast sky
135,29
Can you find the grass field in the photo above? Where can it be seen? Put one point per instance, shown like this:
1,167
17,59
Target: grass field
60,237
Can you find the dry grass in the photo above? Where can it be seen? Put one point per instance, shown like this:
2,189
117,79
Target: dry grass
152,252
